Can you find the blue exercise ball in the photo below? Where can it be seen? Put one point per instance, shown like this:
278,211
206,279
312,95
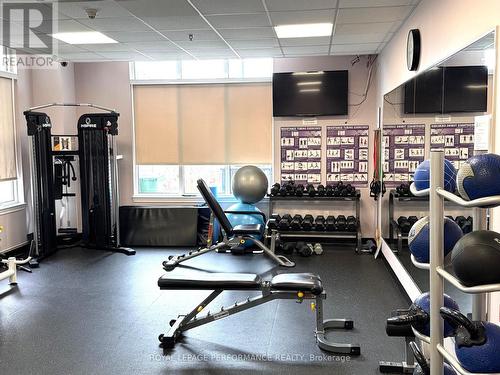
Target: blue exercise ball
423,302
418,238
243,219
250,184
422,176
479,177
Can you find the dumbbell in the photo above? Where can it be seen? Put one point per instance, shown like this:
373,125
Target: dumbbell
469,225
321,190
404,224
337,188
296,222
403,190
341,223
275,189
311,191
412,220
299,190
464,223
307,222
288,247
290,188
350,190
352,223
304,249
284,223
273,221
282,192
330,223
329,190
319,223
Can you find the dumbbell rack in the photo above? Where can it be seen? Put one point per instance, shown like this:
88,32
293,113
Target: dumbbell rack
438,274
276,234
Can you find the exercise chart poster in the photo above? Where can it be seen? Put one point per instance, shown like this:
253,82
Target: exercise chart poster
347,154
404,150
301,154
457,141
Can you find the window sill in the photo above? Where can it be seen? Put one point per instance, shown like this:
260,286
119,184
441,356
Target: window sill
12,207
144,198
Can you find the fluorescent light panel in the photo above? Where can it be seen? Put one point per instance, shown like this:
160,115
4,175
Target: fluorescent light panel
84,37
309,90
309,83
305,30
307,73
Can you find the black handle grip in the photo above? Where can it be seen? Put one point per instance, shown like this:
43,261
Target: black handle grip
420,358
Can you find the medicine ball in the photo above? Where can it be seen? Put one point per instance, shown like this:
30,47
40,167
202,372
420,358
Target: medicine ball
422,176
477,344
250,184
418,238
422,367
476,258
479,177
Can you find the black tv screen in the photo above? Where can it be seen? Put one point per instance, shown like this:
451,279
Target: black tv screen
319,93
451,89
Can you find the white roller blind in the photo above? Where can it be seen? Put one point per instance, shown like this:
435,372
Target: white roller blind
7,132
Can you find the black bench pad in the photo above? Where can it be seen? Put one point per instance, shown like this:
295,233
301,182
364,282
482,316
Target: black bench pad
303,282
248,229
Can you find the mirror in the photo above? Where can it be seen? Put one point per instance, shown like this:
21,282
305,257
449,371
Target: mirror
437,109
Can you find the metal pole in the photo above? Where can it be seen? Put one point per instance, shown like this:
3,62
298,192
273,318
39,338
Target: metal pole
115,190
436,241
479,310
34,195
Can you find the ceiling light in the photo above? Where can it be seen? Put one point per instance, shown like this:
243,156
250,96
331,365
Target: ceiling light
308,83
84,37
307,73
305,30
309,90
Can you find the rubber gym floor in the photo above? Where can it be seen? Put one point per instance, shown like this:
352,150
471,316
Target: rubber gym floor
92,312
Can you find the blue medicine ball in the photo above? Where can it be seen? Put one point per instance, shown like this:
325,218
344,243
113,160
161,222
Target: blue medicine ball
422,176
238,219
418,238
423,301
479,177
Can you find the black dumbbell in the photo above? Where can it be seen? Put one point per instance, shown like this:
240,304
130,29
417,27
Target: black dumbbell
468,226
464,223
412,220
352,224
329,190
403,190
288,247
282,192
290,188
275,189
404,224
319,223
311,191
285,222
337,189
273,221
341,223
299,191
303,249
296,222
307,222
350,190
321,190
330,223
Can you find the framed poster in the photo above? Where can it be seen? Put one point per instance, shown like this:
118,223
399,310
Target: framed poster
404,150
347,154
457,141
301,154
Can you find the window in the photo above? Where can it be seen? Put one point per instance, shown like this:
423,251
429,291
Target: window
156,70
8,193
163,180
5,55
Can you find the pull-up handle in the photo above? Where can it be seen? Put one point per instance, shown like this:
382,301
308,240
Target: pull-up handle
72,105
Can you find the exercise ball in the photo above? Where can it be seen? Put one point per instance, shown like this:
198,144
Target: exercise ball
423,304
243,219
477,344
479,177
250,184
418,238
476,258
422,366
422,176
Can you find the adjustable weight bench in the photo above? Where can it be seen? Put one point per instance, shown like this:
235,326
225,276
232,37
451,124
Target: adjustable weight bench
295,286
234,236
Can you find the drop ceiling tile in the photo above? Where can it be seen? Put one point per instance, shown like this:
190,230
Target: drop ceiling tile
138,36
377,14
306,49
115,24
213,54
124,56
195,45
295,42
371,3
364,28
285,5
177,23
153,46
247,33
82,56
183,35
66,26
261,52
358,38
254,44
296,17
63,48
155,8
162,56
98,48
229,6
355,48
105,9
234,21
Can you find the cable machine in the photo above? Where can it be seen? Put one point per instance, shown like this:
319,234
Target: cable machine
53,158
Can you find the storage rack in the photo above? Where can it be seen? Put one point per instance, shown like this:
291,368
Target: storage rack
438,275
276,233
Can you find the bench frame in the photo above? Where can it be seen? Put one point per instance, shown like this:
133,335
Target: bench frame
191,320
